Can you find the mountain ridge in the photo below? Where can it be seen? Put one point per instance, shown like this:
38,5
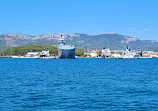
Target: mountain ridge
89,41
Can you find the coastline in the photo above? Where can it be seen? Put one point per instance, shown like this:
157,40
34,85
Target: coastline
56,57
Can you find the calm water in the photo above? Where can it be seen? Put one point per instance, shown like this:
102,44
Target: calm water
78,85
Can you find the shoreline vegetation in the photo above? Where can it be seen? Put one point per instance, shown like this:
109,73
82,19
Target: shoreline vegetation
23,50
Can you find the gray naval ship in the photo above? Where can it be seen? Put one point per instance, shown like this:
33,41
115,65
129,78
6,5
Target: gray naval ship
66,51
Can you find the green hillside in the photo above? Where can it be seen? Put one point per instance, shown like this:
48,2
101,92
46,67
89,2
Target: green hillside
31,48
96,41
22,50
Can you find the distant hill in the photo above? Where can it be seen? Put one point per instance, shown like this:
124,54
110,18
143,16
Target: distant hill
94,41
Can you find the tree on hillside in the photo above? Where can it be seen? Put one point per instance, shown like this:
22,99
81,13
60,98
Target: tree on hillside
99,53
79,52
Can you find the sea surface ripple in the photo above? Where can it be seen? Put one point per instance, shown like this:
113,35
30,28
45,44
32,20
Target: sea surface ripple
78,84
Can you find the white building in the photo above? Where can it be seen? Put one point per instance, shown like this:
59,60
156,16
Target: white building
32,54
116,55
93,54
150,54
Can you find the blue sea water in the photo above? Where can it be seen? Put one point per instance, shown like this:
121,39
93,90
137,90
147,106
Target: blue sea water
78,84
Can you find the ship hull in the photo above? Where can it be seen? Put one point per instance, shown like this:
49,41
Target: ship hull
67,53
107,57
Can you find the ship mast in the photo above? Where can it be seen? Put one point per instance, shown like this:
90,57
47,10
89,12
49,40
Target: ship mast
61,40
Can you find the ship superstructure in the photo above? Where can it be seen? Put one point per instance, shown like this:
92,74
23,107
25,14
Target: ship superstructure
106,52
44,53
128,54
66,51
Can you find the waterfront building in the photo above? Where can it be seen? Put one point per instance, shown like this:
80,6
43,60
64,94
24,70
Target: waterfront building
93,54
32,54
116,55
149,54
